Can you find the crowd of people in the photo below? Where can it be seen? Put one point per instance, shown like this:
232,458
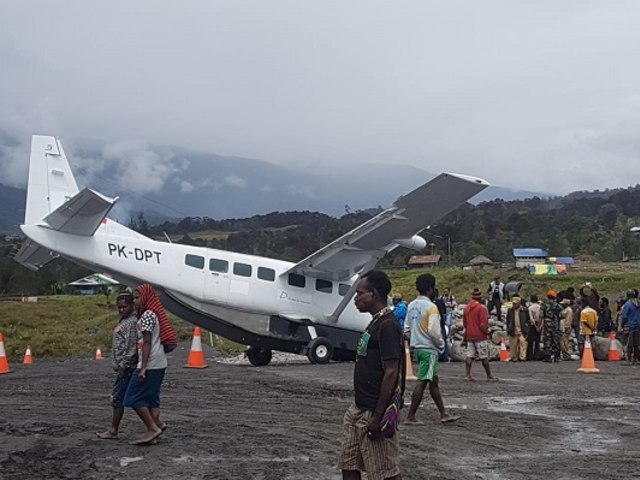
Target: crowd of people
537,330
143,336
552,322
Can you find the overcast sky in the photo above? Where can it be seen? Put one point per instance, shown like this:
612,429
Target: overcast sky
539,95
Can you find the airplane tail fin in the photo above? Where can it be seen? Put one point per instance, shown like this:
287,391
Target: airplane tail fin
53,201
51,182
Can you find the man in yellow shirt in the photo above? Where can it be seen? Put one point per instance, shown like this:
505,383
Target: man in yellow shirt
588,320
567,315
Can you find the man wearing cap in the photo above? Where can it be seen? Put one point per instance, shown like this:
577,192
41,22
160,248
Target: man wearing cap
567,315
552,338
517,329
475,320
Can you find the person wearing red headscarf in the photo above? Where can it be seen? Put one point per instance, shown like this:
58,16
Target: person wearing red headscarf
149,301
143,392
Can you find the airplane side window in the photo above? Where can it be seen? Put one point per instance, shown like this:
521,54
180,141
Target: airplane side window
242,269
324,286
217,265
343,288
296,280
195,261
267,274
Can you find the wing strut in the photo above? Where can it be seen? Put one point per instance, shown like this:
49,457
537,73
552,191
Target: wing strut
333,318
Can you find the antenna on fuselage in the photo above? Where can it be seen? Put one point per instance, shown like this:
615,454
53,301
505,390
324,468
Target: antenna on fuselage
167,237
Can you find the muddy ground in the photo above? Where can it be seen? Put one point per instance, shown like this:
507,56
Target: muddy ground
283,422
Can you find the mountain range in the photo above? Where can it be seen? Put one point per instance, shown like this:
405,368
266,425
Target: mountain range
169,182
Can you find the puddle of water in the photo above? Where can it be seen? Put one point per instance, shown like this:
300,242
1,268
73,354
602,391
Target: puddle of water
578,432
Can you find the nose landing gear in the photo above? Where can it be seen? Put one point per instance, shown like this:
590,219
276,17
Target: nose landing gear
320,350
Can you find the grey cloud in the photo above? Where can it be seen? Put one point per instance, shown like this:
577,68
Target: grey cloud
472,87
301,190
186,186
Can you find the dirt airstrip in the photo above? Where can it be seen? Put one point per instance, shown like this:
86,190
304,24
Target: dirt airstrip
233,421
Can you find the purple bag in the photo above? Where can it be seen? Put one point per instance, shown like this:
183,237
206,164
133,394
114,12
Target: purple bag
391,415
389,422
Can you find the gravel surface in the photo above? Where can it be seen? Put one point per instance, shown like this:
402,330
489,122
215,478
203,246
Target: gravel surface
234,421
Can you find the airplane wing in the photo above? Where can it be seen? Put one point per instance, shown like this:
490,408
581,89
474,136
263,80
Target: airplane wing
82,214
34,256
395,226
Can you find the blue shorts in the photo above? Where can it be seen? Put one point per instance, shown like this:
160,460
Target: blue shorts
120,387
144,393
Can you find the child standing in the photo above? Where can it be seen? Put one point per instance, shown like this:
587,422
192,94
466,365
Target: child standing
125,358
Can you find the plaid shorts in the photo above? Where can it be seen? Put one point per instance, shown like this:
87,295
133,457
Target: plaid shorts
478,350
379,458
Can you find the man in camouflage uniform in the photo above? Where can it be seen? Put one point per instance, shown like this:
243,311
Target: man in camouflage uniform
552,336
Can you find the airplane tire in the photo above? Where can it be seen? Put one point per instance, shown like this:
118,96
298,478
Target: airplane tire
259,357
320,350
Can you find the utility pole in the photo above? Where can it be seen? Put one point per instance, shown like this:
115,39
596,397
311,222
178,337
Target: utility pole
447,238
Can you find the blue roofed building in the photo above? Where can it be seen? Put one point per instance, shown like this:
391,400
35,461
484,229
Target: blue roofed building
530,256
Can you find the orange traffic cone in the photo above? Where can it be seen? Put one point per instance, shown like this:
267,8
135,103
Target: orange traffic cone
28,359
4,364
196,355
99,355
613,355
504,353
588,364
409,364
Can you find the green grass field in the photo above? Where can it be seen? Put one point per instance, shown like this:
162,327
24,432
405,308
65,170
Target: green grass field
72,326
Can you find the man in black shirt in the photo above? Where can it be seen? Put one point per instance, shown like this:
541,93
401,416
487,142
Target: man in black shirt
375,377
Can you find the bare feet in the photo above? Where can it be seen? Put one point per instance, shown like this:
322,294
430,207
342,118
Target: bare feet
470,379
148,438
492,379
108,435
162,427
449,418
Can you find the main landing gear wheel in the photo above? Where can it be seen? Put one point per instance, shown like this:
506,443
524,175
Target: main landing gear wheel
320,350
259,357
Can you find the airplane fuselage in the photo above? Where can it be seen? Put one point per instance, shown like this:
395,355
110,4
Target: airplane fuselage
213,281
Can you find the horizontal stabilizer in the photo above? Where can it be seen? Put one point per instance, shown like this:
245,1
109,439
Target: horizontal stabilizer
34,256
82,214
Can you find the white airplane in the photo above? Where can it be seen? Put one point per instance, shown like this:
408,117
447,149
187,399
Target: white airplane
264,303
